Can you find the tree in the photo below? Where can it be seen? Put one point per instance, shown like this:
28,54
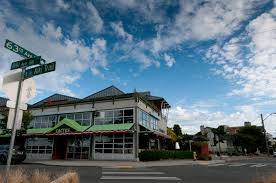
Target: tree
177,130
251,138
27,118
219,136
171,133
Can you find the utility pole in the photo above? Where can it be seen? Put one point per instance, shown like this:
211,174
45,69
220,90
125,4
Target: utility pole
266,141
15,119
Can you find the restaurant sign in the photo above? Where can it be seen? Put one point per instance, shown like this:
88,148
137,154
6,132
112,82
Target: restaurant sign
63,130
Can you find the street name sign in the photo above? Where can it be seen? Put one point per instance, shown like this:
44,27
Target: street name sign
25,63
20,50
40,70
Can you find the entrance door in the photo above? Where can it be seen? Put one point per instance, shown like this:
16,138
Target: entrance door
59,149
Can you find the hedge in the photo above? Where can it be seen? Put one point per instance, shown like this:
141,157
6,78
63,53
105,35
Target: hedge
156,155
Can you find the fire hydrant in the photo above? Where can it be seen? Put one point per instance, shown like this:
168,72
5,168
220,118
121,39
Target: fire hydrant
194,155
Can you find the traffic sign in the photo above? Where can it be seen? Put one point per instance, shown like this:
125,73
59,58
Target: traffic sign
40,70
20,50
25,63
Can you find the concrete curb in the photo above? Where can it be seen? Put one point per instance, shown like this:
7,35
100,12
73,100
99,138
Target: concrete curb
123,164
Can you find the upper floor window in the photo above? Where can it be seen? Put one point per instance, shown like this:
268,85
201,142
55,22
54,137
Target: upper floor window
148,120
44,121
114,116
83,118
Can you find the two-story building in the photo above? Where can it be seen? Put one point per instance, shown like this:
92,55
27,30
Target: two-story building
107,125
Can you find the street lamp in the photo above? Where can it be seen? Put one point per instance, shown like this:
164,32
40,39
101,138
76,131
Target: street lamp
266,140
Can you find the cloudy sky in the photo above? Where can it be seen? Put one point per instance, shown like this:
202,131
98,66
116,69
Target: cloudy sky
214,61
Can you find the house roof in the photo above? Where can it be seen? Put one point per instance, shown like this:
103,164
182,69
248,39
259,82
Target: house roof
54,99
109,91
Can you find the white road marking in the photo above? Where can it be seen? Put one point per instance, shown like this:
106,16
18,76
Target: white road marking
137,178
132,173
237,165
216,165
258,165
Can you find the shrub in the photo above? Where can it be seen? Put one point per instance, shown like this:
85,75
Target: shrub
164,154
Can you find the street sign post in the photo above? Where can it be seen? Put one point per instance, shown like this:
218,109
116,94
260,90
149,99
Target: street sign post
25,74
25,63
40,70
20,50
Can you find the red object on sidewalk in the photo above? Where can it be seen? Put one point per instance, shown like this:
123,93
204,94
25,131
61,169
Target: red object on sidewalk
204,150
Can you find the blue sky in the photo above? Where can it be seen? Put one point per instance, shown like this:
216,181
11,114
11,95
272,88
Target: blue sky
212,60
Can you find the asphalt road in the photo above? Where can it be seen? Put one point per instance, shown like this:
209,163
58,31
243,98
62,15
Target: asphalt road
233,172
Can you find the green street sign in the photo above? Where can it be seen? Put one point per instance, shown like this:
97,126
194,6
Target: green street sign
25,63
20,50
40,70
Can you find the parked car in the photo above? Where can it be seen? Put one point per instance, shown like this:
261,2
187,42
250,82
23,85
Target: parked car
18,156
274,153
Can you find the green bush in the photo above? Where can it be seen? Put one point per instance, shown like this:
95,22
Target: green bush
233,153
156,155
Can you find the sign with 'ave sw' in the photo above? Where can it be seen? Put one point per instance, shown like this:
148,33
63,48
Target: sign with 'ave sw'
25,63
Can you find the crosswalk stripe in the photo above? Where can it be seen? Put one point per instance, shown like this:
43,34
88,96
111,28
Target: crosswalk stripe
132,173
237,165
137,178
258,165
216,165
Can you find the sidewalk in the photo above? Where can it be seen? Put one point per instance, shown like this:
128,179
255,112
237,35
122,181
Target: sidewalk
122,164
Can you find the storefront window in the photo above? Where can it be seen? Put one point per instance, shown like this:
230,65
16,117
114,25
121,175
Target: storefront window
78,148
83,118
115,143
39,146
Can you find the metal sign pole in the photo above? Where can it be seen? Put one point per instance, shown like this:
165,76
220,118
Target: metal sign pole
15,119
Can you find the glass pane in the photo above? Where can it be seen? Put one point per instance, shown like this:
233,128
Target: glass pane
108,114
118,113
128,140
118,136
128,145
98,150
70,116
70,155
118,140
86,122
87,115
118,146
108,121
118,120
128,112
128,120
129,135
99,146
118,151
62,116
128,151
41,151
99,121
107,138
78,116
108,145
98,138
107,150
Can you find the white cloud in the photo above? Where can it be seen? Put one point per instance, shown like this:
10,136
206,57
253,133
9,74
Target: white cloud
249,59
75,31
73,57
169,60
62,4
190,118
50,31
93,18
119,29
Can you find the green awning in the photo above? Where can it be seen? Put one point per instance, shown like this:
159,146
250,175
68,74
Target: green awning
69,123
111,127
37,130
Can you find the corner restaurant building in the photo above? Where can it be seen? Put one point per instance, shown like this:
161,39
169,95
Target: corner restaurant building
107,125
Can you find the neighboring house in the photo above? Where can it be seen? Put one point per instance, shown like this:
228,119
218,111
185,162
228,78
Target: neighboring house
107,125
228,143
3,109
